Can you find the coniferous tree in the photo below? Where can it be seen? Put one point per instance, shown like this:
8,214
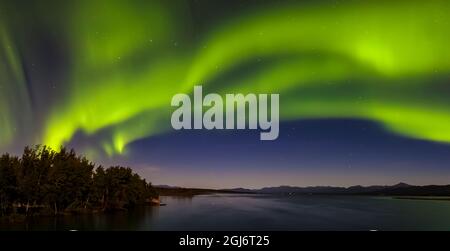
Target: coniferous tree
8,182
28,177
64,181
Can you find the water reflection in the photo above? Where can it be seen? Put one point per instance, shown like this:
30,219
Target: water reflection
260,212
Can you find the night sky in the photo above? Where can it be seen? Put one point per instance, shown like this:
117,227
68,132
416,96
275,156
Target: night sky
364,87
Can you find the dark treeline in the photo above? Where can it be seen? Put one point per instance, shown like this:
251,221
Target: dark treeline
46,181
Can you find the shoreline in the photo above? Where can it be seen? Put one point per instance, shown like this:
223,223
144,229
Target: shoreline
429,198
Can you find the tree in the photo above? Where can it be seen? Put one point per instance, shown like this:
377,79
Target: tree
117,180
28,177
8,182
100,187
70,181
64,181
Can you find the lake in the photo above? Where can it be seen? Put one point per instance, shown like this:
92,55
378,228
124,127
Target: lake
261,212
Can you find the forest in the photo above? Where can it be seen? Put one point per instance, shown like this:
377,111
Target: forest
47,182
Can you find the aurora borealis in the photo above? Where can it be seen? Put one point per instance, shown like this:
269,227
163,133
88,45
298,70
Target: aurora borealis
98,75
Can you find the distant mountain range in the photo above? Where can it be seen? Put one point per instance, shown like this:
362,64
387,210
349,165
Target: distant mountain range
166,186
400,189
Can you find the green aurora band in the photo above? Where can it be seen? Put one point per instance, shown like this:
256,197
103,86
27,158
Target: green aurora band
12,91
379,60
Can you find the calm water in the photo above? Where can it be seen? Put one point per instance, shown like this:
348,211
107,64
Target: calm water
263,212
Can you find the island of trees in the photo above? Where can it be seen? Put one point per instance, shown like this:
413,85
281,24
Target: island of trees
47,182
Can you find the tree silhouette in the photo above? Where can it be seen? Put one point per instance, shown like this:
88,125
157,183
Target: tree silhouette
8,182
46,180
